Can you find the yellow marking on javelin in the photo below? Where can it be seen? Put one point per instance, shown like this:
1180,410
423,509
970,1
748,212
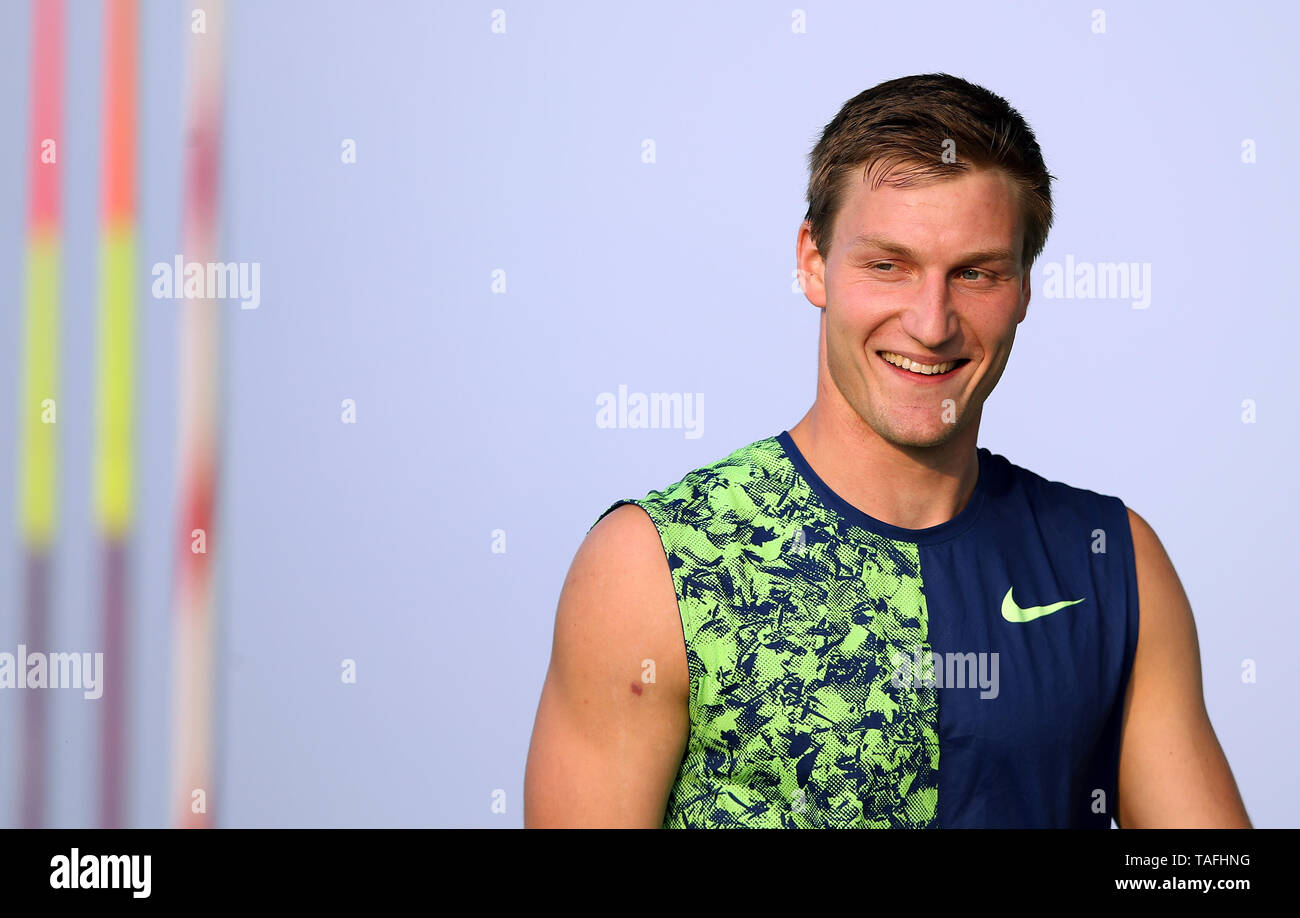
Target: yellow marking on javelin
40,378
115,356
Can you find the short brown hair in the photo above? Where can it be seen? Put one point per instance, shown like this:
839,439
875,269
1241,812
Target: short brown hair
898,130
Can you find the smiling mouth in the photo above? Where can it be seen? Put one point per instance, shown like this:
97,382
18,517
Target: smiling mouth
922,369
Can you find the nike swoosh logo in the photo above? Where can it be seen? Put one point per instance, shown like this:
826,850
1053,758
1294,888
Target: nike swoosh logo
1013,613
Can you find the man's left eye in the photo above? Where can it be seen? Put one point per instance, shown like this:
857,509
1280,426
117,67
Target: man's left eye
980,274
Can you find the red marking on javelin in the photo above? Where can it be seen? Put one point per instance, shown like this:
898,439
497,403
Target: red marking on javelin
47,112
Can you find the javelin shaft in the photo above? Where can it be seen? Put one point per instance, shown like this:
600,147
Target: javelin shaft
39,400
193,803
114,395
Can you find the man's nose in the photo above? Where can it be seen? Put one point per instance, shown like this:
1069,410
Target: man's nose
929,317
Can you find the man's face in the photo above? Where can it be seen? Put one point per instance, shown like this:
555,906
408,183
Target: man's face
929,273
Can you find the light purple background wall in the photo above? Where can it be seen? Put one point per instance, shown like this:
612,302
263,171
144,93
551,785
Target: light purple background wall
476,411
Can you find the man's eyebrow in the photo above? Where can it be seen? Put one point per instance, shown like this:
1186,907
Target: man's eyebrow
866,240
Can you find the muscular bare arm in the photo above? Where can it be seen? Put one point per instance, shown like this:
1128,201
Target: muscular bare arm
1172,771
606,745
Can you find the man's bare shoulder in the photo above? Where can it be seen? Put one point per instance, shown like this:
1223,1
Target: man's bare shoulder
626,533
1172,769
612,722
619,588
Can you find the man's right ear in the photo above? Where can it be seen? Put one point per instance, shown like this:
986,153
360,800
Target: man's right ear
811,267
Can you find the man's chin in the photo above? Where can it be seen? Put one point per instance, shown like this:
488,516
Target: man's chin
918,437
916,442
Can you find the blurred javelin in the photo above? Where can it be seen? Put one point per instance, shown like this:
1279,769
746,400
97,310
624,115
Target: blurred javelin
193,713
114,393
38,405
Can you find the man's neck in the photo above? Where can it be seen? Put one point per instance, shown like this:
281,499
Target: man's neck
908,487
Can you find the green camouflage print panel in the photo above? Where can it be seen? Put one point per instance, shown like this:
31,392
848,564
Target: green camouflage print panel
792,618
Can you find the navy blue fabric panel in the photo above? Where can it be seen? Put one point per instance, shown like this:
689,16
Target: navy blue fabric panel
1029,711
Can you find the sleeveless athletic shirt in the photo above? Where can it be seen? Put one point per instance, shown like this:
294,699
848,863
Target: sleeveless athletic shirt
845,672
